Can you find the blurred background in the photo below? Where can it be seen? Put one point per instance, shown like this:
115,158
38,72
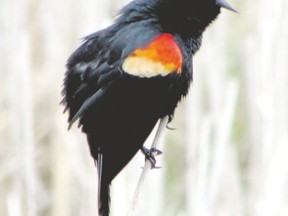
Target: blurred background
227,157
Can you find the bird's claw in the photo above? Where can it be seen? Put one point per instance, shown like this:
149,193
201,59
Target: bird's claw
170,118
150,155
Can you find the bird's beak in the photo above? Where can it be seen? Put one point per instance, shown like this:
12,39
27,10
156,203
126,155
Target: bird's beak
225,4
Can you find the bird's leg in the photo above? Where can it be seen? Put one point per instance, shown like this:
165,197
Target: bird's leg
151,153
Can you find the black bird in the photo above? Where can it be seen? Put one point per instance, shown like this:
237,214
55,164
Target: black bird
126,77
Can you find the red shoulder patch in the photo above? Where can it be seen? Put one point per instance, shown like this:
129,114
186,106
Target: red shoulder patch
163,49
161,57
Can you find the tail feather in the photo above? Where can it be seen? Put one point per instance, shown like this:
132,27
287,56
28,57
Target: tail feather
103,189
99,169
104,202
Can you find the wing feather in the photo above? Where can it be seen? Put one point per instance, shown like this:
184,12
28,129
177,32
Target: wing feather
93,67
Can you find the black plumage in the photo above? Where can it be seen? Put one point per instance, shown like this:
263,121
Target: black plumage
117,110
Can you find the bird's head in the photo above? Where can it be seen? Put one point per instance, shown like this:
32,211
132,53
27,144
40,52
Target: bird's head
188,16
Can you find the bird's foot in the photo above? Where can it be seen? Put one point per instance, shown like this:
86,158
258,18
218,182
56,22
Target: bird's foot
150,155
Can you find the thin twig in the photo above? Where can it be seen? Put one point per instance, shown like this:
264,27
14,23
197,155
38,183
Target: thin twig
162,125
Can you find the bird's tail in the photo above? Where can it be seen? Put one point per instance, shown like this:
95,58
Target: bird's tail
104,201
103,190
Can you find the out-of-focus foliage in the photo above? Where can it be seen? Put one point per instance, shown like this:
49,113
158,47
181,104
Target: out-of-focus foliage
228,155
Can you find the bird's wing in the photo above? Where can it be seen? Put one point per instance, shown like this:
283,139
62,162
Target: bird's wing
94,66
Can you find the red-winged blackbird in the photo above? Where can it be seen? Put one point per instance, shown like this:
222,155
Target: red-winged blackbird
124,78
